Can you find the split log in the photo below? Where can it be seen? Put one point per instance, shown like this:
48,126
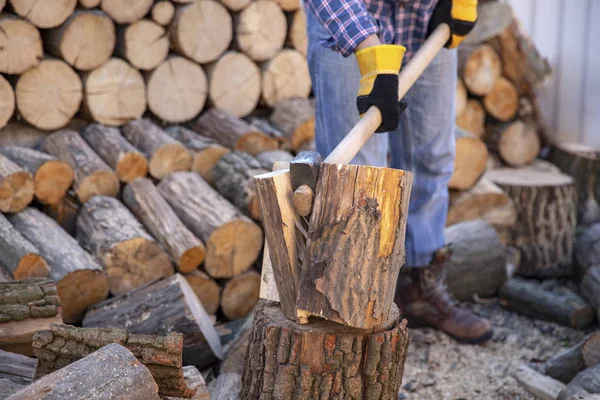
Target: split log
144,200
545,228
117,152
481,70
51,177
20,46
79,279
232,132
25,307
295,117
194,380
478,262
173,308
470,160
587,249
89,3
7,101
17,368
502,102
166,154
21,134
49,94
361,202
233,175
260,30
297,36
86,40
201,31
18,255
126,11
177,88
240,295
206,152
62,345
44,14
163,12
547,301
583,164
91,175
267,158
112,368
517,143
286,75
585,386
114,93
232,240
207,290
565,365
472,119
144,43
65,213
129,255
539,385
303,357
590,289
16,186
460,98
234,84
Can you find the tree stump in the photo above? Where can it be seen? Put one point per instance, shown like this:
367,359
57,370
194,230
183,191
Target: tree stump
286,75
545,228
517,143
470,161
91,175
44,14
472,119
240,295
163,12
566,364
295,118
144,43
166,154
18,255
323,360
144,200
126,11
65,213
481,70
21,45
207,290
16,186
260,30
233,241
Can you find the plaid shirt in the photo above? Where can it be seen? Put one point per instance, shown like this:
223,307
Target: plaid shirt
349,22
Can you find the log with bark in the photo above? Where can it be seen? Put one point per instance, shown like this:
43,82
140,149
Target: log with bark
587,249
472,119
51,177
285,75
297,36
163,12
232,132
323,360
268,158
566,364
16,186
295,118
49,94
86,40
470,160
164,153
65,213
590,287
146,203
207,290
539,385
25,307
240,295
585,386
127,161
112,368
232,240
168,305
517,143
62,345
206,152
177,88
21,134
21,45
43,14
129,255
547,300
91,175
481,70
228,386
478,263
144,43
362,217
545,228
233,175
194,380
264,125
80,281
234,84
126,11
7,101
18,255
17,368
260,30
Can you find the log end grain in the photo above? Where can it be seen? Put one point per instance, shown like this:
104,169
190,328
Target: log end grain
502,102
472,119
470,162
519,144
169,158
31,266
205,160
256,142
131,166
191,259
207,290
79,290
482,69
163,12
286,75
126,12
303,200
52,180
98,183
145,44
7,101
240,295
297,36
460,97
44,14
16,192
261,29
21,46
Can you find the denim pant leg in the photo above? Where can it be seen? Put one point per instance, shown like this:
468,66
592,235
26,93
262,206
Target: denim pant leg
424,144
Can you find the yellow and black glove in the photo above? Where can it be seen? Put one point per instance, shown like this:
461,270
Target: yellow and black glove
460,15
379,67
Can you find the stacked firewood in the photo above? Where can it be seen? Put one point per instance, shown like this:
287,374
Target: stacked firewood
111,61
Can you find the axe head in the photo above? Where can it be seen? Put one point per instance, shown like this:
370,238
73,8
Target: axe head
304,169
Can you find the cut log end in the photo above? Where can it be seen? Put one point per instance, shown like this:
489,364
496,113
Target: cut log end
44,14
7,101
240,295
207,290
163,12
261,29
286,75
52,180
519,144
482,69
471,162
191,259
131,166
31,266
79,290
16,192
170,158
98,183
502,102
205,160
21,46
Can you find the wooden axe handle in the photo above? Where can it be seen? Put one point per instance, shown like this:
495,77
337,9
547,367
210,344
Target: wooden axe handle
364,129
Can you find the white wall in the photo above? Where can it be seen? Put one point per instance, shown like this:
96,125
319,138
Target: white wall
567,33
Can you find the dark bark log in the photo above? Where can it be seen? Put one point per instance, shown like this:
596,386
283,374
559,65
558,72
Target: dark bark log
587,249
240,295
585,386
17,368
207,290
565,365
547,301
295,118
65,213
590,287
113,368
80,281
18,255
323,360
16,186
233,241
129,255
194,380
359,214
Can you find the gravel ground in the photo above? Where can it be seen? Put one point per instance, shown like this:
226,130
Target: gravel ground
440,368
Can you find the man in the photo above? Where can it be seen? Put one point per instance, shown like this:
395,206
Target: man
355,51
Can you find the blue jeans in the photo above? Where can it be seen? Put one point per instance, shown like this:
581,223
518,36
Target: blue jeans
423,143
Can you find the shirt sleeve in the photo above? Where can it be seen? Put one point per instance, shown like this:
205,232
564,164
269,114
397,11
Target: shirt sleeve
347,22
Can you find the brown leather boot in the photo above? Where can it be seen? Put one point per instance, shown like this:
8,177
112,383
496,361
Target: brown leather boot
423,298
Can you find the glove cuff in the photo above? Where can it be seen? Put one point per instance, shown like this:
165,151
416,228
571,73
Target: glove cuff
380,59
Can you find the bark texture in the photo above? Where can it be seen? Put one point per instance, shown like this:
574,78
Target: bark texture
18,255
587,249
65,213
295,118
565,365
17,368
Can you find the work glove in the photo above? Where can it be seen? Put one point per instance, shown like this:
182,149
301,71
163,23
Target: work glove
379,67
460,15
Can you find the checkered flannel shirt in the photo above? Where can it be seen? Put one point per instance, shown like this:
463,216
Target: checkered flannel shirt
349,22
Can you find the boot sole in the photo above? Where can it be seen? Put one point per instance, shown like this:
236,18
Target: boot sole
419,323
